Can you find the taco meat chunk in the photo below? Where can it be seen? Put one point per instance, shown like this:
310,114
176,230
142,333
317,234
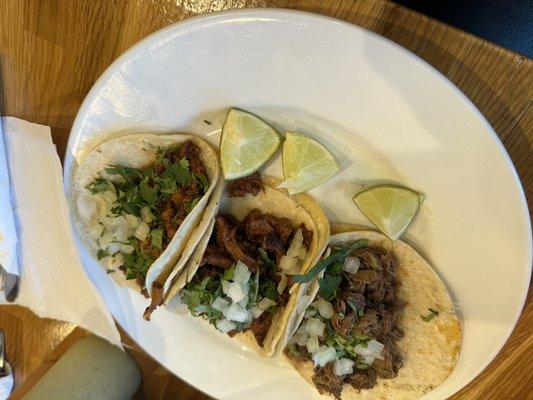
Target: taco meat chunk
361,330
252,184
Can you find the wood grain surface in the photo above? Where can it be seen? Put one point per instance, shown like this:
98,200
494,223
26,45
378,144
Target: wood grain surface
52,51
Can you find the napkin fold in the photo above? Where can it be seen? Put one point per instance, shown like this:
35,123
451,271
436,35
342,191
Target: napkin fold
52,283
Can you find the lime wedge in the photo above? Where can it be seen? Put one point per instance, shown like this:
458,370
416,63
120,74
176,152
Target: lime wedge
247,142
390,208
306,163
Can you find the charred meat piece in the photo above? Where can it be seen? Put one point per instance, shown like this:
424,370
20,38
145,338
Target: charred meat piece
326,381
362,378
249,184
388,367
216,257
260,327
226,234
283,228
259,231
167,216
191,152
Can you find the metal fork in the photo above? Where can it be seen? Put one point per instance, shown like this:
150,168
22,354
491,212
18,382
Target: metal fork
9,284
2,354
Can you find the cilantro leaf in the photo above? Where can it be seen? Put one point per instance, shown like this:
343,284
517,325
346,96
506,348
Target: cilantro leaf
156,237
100,185
147,193
432,314
329,286
266,259
189,205
129,174
101,254
203,181
335,256
229,273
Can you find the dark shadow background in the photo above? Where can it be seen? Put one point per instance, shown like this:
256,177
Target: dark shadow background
508,23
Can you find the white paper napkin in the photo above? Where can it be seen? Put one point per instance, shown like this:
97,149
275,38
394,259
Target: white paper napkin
52,283
6,382
8,236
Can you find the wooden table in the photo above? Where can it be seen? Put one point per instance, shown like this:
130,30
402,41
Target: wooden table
52,51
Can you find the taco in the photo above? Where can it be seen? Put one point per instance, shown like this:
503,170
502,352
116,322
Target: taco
375,322
138,198
239,275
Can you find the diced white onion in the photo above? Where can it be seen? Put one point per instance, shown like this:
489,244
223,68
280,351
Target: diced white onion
324,355
370,352
309,312
132,220
256,312
146,214
351,265
220,304
304,302
315,327
120,229
127,248
86,207
233,290
95,231
266,303
244,301
300,336
241,273
142,231
105,239
282,284
324,308
288,264
177,306
237,313
114,247
343,366
109,196
112,262
296,244
223,325
312,344
302,254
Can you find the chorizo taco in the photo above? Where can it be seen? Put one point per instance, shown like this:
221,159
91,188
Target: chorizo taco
239,275
137,200
374,321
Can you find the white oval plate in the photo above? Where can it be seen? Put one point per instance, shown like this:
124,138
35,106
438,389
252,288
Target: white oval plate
386,115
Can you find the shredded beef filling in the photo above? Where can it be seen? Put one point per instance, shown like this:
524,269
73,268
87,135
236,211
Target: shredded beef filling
244,241
372,292
249,184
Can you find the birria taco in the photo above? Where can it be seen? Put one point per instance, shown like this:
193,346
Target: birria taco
239,276
377,323
139,198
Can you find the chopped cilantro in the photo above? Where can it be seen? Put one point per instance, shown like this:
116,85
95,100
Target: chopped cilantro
268,288
110,271
266,259
432,314
229,273
202,180
191,204
148,194
156,238
329,285
335,256
100,185
101,254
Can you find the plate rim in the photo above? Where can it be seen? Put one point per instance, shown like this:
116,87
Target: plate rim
284,15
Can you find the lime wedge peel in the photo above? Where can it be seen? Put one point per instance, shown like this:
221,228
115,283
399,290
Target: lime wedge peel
390,208
247,142
306,163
